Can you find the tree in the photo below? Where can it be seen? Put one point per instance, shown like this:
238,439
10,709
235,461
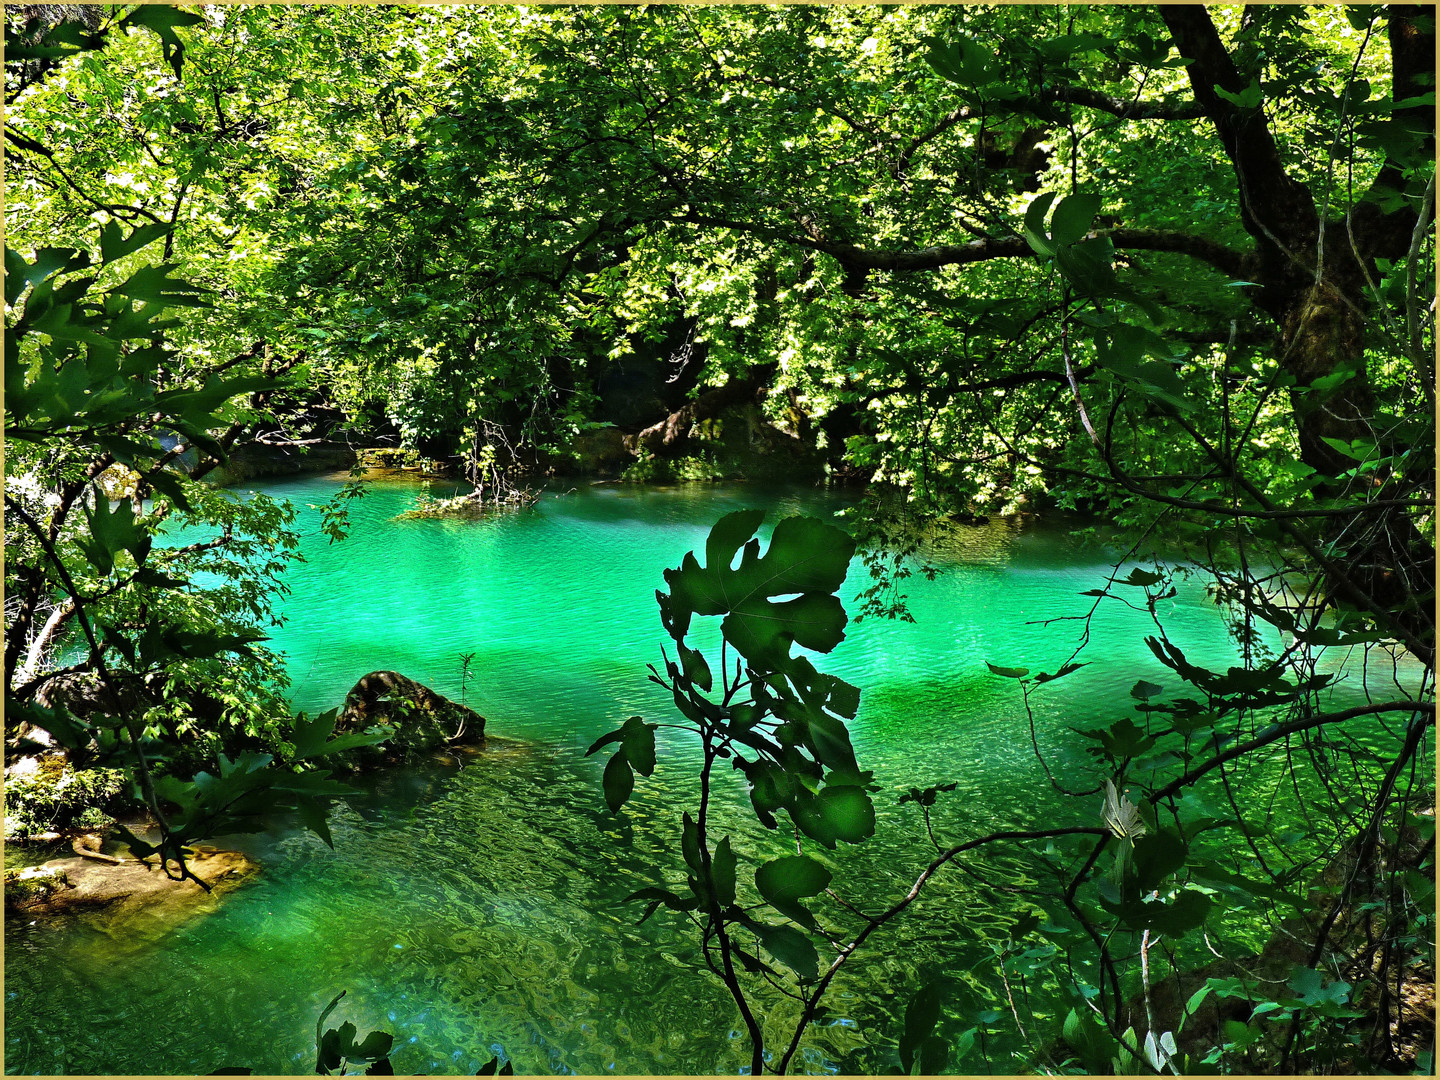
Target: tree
111,653
1171,266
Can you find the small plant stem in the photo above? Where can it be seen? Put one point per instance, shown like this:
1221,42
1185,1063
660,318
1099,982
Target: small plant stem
1145,981
717,918
899,906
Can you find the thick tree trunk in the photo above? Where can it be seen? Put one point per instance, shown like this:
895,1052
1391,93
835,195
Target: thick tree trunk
1313,281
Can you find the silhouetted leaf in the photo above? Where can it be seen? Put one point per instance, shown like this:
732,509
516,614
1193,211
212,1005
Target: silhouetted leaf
791,947
618,782
921,1016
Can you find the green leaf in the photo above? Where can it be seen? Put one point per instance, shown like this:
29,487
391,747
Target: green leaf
1123,739
1065,669
1144,691
727,536
1072,217
48,262
605,740
1141,578
199,643
163,20
658,896
1024,925
921,1016
695,668
1034,229
964,62
806,557
792,948
311,736
844,699
376,1045
153,285
782,882
934,1055
329,1050
722,873
114,245
1249,98
1123,348
618,782
1157,857
113,531
1008,672
1174,918
928,796
639,740
837,813
196,406
763,630
1094,1045
64,39
831,741
312,815
690,843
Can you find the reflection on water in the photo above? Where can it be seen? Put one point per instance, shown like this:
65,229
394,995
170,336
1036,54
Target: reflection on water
476,908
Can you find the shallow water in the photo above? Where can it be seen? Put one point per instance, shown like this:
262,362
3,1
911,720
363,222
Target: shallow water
475,908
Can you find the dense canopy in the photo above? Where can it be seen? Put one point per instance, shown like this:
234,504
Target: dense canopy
1170,266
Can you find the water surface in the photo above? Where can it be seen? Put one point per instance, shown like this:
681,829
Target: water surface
475,909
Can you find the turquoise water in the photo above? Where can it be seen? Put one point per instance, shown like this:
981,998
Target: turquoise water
474,908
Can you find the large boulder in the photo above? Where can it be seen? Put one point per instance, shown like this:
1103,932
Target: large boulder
249,461
417,721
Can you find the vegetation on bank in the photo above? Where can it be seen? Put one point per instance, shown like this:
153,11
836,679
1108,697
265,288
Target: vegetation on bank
1170,265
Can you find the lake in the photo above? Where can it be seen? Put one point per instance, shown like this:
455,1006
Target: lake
475,908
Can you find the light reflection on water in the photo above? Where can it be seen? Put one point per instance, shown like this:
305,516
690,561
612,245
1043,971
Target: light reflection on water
476,908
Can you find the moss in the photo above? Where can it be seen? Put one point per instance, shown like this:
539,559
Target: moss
57,798
382,457
27,884
414,720
695,467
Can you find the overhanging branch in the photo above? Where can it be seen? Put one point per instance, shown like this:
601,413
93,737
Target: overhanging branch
854,257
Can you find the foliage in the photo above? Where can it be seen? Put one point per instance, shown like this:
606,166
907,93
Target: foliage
127,668
1170,266
337,1049
780,723
56,798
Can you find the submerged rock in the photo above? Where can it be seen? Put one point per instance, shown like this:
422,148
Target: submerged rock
416,719
124,887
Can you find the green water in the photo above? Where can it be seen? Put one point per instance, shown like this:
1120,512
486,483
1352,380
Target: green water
476,911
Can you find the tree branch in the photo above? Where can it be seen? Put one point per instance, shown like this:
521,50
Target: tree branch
1274,208
1281,731
852,256
1124,108
904,902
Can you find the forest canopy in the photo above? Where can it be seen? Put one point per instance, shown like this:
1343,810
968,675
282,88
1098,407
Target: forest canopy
1170,267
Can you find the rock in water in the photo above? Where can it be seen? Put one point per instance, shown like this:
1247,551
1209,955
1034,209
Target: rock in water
417,719
125,890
